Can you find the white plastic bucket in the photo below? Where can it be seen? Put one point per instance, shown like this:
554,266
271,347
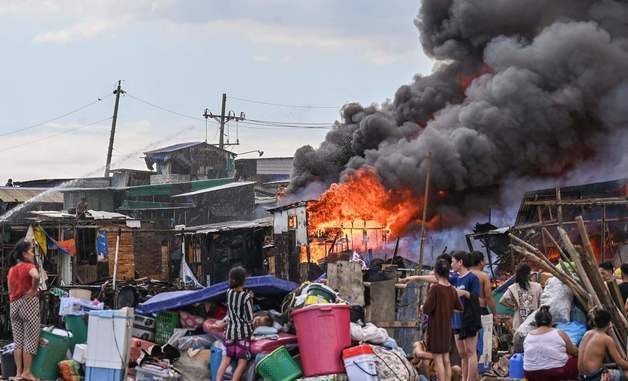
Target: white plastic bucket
361,368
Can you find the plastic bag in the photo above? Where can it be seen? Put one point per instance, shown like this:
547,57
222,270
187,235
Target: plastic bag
556,295
559,297
574,329
195,342
370,333
70,370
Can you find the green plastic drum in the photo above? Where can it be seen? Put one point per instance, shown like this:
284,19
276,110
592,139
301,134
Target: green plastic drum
77,326
279,366
53,347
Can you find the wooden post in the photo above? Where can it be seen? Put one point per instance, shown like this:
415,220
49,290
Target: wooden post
422,238
115,260
559,207
603,235
540,213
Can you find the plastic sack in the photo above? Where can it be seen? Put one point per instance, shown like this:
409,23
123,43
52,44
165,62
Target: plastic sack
192,369
370,333
194,342
574,329
556,295
69,370
559,297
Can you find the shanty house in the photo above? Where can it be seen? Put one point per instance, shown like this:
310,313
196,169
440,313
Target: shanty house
189,161
37,199
212,250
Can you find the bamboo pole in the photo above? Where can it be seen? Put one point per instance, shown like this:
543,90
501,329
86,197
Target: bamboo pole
619,320
422,243
577,290
536,251
563,255
575,256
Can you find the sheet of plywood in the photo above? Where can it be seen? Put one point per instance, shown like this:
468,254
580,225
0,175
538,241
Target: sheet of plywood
382,305
346,277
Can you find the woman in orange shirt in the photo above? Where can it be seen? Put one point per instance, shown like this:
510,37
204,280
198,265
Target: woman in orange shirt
23,280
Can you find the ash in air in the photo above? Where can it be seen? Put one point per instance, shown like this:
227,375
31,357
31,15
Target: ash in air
524,92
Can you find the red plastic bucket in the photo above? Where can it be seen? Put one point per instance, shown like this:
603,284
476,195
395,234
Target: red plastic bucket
323,332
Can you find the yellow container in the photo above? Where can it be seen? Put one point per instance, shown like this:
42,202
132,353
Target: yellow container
315,299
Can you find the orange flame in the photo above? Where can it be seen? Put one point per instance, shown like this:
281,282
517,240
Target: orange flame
364,198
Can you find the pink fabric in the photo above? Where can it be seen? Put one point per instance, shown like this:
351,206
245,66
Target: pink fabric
257,346
190,321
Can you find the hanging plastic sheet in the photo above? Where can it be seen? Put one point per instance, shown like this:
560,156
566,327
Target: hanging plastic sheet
101,244
40,239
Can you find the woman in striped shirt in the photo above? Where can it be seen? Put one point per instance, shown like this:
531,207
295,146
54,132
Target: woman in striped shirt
239,327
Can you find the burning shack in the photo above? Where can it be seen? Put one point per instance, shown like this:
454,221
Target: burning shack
303,239
603,206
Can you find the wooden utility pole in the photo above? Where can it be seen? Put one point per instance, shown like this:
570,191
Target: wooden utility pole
422,243
222,119
117,92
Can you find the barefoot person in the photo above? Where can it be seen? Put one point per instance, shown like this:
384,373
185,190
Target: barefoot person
523,296
442,300
595,345
23,280
239,326
487,307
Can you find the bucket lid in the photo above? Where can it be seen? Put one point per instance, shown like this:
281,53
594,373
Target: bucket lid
357,351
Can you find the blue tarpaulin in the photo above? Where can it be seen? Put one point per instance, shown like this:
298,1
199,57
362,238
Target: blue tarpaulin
265,285
101,243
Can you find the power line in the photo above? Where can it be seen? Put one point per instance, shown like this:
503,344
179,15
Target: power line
100,99
262,126
163,108
257,122
290,123
55,135
284,105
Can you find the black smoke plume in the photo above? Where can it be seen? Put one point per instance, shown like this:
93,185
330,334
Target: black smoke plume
522,90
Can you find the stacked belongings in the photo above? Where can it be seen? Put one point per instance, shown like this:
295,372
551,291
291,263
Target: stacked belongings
193,323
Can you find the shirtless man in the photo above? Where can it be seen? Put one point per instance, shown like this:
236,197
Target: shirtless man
485,341
595,344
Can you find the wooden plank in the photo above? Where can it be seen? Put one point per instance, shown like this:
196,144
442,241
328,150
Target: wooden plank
396,324
382,304
346,278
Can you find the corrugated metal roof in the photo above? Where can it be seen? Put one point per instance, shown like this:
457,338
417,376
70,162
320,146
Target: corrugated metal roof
14,194
230,225
180,146
274,166
95,214
213,189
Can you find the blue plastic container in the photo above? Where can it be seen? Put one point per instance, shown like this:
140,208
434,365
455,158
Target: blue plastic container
215,358
103,374
515,366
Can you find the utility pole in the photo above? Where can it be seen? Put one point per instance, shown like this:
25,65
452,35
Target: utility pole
423,238
117,92
223,118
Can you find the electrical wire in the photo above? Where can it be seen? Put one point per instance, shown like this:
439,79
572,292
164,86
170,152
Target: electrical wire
283,104
249,122
68,131
284,126
162,108
100,99
289,123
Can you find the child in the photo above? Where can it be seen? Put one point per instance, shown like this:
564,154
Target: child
442,300
239,326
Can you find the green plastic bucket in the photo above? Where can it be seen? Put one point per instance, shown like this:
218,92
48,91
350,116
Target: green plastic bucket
53,347
78,327
279,366
322,291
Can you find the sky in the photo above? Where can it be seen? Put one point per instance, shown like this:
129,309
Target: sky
176,58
